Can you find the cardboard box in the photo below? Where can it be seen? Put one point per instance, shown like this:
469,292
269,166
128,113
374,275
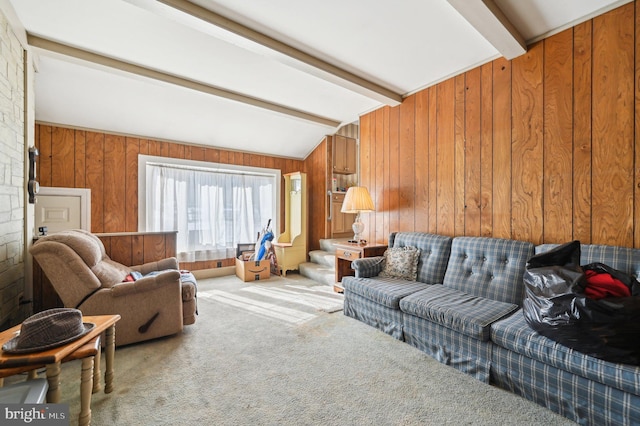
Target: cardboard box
252,270
245,248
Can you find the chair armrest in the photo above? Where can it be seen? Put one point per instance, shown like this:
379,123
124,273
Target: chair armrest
368,267
146,284
160,265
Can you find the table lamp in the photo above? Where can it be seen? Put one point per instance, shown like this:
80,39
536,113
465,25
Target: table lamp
357,200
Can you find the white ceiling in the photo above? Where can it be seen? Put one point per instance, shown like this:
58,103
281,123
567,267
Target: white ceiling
402,46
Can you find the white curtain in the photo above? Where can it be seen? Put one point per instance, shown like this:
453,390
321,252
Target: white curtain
212,211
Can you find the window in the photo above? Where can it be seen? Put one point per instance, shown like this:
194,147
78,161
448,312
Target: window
214,207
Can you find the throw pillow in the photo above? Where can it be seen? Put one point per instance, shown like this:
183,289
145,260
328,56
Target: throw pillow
401,262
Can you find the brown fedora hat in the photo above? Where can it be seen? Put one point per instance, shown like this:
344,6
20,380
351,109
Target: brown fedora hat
48,329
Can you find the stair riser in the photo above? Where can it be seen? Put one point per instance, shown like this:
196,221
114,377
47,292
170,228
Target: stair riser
322,258
327,244
319,274
322,265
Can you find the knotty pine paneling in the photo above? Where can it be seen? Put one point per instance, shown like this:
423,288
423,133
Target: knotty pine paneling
366,164
386,117
114,191
133,249
581,170
558,137
459,155
406,149
62,141
378,194
526,145
471,153
432,208
502,178
317,168
80,158
43,143
132,149
421,188
445,157
612,127
108,165
542,148
394,173
486,150
95,179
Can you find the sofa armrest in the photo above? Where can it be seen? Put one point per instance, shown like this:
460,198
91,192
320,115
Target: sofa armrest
146,283
368,267
160,265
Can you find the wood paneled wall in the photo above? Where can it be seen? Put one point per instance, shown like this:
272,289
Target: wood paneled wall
108,165
543,148
318,169
138,249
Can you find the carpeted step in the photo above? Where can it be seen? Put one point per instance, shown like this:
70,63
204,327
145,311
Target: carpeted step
327,244
322,257
320,273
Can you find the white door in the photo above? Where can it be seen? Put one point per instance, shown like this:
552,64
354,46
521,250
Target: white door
58,209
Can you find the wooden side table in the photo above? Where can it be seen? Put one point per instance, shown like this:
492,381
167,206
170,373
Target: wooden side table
85,348
347,253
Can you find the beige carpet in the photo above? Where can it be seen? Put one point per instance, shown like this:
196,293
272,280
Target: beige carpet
281,352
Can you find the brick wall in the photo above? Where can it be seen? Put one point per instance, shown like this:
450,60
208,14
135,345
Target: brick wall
12,175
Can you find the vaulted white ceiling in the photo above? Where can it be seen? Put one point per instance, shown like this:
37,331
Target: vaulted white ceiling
297,71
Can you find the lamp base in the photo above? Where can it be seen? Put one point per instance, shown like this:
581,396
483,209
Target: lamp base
357,227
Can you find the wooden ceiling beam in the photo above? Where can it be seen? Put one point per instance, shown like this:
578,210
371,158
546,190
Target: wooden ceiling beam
85,55
487,18
308,63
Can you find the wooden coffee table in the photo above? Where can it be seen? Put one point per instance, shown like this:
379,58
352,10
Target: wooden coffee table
78,349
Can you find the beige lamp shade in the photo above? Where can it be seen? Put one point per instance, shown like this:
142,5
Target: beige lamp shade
357,200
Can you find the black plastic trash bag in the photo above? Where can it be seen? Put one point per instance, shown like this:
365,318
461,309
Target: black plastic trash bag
557,307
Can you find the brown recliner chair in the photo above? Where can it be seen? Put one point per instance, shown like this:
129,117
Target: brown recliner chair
158,304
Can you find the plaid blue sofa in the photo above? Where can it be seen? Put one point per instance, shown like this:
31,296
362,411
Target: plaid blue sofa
482,284
463,285
465,310
582,388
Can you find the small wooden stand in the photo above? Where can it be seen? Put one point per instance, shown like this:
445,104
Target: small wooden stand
86,347
347,253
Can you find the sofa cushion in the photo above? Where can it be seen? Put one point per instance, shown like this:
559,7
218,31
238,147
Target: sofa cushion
513,333
621,258
401,262
434,253
451,308
383,291
488,267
